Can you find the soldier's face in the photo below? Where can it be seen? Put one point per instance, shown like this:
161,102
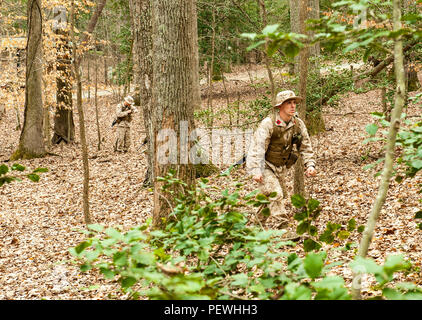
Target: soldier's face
288,108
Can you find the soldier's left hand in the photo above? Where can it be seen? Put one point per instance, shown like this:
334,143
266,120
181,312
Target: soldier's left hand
310,172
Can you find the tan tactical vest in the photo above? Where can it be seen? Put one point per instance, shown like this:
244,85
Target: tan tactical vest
280,146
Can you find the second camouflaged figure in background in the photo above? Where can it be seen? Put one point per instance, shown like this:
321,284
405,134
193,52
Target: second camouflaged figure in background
122,122
276,145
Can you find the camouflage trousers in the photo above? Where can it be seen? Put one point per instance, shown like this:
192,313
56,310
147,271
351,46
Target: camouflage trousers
123,139
279,217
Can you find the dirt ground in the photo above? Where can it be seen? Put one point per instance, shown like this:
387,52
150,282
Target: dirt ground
39,222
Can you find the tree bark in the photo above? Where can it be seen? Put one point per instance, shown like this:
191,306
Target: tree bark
31,142
399,102
299,184
142,73
64,127
174,73
294,6
76,71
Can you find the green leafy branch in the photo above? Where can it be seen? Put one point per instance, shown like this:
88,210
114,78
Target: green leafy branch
8,178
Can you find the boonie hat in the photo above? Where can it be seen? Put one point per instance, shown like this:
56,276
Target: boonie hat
129,100
285,95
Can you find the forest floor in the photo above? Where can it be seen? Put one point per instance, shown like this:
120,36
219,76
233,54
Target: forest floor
39,222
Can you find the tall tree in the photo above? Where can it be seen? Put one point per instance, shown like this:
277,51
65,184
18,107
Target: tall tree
63,121
299,185
174,92
31,142
142,70
64,126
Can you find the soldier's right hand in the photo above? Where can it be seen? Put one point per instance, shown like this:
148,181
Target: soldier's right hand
258,178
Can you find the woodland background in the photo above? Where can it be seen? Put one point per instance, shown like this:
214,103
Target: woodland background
246,51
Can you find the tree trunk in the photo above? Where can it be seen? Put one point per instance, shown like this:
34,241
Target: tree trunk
76,71
294,6
299,184
142,72
263,13
399,102
173,94
31,142
64,127
96,104
63,121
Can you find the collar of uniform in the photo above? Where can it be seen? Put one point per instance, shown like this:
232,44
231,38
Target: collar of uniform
280,122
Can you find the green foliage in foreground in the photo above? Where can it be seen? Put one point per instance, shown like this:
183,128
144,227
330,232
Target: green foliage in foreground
8,178
209,251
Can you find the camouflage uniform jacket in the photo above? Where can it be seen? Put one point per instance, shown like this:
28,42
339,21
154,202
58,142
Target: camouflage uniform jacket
124,114
255,160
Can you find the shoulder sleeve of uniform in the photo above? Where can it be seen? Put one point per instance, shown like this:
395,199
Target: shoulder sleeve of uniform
255,160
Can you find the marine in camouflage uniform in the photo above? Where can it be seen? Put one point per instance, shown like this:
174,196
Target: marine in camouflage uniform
123,119
276,144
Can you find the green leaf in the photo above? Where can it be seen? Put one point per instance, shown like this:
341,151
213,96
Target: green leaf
4,169
127,282
40,170
291,50
96,227
298,201
115,234
352,47
108,273
417,164
299,216
310,245
313,204
313,264
82,246
250,36
302,227
266,212
326,237
255,45
365,265
33,177
270,29
240,279
343,234
272,195
18,167
294,291
351,225
120,258
418,215
145,258
371,129
329,283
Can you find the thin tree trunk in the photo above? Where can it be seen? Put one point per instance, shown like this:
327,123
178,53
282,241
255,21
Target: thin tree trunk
76,71
96,105
211,70
263,13
399,102
294,7
299,184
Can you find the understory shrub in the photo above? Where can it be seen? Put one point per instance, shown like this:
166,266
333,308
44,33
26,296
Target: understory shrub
209,249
